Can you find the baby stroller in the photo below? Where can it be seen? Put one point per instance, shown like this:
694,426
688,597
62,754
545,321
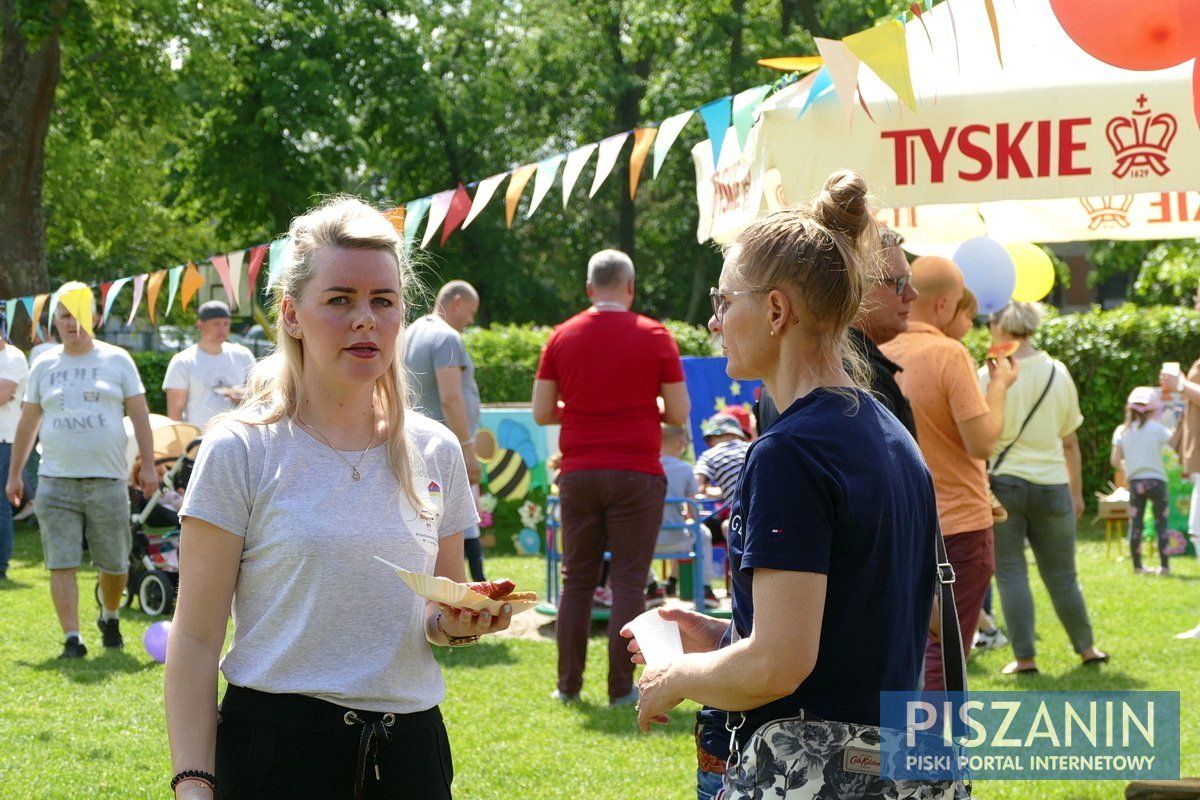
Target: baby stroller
154,556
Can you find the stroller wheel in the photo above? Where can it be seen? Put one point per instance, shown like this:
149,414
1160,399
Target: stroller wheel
156,593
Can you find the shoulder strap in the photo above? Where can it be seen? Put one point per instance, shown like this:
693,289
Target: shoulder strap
1000,458
954,665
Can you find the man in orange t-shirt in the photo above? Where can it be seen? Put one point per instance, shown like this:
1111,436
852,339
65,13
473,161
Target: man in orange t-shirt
957,427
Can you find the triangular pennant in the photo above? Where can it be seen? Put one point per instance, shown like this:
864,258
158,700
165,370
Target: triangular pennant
668,132
39,304
236,261
717,116
175,275
516,186
842,67
139,286
79,301
610,148
576,161
396,217
10,307
104,287
281,251
792,63
27,303
547,171
745,104
642,139
153,287
192,281
414,213
822,84
439,205
111,295
257,255
460,206
221,265
991,13
50,311
884,49
483,195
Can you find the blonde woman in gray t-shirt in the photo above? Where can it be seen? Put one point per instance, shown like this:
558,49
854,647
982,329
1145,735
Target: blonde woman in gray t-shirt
332,681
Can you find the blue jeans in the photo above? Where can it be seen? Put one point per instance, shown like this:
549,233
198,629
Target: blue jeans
6,522
708,784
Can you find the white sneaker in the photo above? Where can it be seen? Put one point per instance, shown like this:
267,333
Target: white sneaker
1194,633
990,640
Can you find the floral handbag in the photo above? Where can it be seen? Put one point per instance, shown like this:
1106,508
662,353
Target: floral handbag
808,758
804,758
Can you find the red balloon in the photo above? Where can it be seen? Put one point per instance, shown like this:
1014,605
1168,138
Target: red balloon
1131,34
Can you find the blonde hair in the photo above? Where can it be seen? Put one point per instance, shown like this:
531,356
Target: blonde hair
274,387
828,253
968,303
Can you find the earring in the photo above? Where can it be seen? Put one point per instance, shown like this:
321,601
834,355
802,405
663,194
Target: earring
772,331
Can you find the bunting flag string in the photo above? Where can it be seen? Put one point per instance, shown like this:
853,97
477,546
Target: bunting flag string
576,161
882,48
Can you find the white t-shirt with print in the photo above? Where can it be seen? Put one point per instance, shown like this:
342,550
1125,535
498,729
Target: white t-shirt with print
314,612
204,375
83,410
12,368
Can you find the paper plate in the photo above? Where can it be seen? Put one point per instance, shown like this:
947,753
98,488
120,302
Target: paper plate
444,590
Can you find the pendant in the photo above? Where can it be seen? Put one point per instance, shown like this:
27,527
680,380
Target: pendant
354,473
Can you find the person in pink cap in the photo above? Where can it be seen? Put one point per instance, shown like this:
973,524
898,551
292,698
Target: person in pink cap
1137,448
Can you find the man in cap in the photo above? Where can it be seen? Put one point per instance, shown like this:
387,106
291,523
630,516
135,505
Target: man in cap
207,378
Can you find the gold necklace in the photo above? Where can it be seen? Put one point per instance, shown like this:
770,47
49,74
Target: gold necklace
354,473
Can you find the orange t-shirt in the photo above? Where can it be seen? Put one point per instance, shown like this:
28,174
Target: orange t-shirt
938,378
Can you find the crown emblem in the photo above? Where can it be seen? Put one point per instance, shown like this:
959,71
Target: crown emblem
1107,210
1141,141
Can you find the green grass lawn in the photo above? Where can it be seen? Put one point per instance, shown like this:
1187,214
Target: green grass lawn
95,728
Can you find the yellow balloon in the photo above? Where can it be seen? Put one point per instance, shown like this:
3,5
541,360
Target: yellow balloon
1035,272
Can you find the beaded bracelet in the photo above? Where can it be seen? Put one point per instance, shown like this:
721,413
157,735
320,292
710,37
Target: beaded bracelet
195,774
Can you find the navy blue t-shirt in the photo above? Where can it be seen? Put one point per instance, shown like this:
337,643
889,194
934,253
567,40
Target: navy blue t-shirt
838,487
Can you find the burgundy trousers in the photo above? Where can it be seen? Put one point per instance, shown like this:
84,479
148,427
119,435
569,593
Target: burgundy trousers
618,511
973,556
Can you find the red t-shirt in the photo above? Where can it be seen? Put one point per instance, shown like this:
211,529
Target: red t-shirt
610,367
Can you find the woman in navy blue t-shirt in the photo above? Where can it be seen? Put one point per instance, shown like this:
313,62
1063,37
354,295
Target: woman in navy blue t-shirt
832,530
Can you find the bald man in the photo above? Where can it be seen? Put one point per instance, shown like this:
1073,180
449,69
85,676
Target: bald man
957,427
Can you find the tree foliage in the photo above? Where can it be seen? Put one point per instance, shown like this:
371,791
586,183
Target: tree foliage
183,129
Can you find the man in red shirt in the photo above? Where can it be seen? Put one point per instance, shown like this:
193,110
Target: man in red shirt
601,375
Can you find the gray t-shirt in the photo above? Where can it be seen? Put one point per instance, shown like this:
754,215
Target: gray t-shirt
430,344
83,411
1143,449
206,376
681,482
314,612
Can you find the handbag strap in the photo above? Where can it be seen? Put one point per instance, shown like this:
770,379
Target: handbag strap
1000,458
954,664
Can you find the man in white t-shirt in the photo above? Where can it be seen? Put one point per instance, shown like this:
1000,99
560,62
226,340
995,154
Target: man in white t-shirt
13,371
207,378
77,397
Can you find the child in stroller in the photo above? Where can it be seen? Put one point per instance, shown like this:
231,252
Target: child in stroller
154,557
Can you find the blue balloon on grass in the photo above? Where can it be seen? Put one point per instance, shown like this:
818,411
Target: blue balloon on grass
155,640
988,271
528,542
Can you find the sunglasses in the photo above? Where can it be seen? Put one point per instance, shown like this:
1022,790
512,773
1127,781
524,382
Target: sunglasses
898,283
720,300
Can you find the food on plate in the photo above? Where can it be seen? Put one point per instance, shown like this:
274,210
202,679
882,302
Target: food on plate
501,590
1003,349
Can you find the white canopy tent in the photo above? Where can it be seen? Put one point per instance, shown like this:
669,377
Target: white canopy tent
1051,146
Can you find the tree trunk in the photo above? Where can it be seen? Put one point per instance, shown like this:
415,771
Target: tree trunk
28,77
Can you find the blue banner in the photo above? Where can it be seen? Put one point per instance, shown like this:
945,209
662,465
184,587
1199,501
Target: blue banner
1030,735
711,390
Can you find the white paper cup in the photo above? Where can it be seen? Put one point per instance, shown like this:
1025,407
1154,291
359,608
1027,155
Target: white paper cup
657,637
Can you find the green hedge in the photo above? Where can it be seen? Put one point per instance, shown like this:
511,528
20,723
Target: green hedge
1108,353
152,366
506,356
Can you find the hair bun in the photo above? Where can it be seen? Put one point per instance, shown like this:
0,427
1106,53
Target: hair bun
842,204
